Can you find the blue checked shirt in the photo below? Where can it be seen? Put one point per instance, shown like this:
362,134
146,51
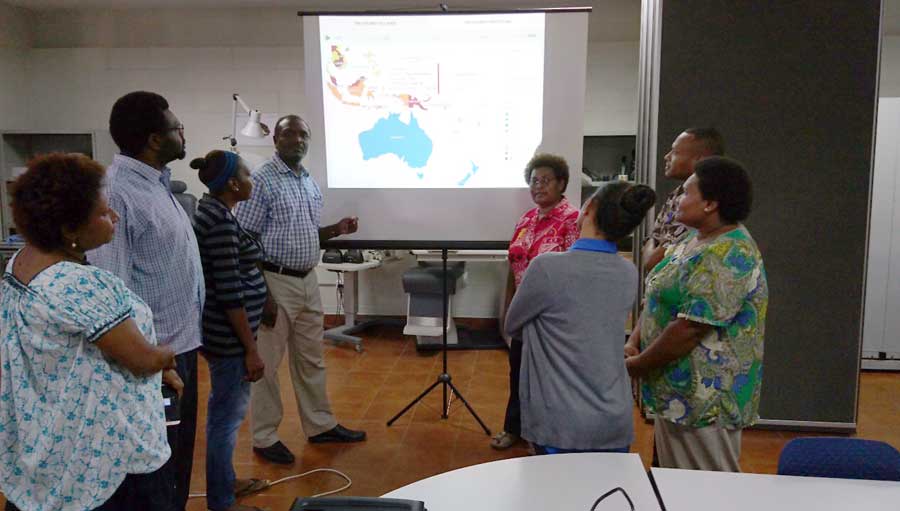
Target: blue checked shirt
154,251
284,210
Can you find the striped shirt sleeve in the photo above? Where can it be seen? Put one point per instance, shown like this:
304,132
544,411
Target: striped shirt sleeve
222,244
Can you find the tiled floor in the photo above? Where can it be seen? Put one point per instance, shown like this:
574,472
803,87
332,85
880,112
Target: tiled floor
368,388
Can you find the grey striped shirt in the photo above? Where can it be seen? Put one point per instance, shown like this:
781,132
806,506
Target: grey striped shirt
229,255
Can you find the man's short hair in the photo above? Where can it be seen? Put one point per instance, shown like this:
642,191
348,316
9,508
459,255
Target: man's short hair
135,116
710,139
288,117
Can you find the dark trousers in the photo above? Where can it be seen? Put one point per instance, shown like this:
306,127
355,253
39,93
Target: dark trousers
513,422
138,492
181,436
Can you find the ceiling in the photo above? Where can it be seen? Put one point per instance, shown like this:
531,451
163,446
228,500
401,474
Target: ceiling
300,5
614,20
611,20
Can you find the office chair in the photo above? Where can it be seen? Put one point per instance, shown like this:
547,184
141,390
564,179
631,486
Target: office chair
186,200
845,458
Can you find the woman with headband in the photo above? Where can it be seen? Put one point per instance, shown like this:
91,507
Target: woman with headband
235,299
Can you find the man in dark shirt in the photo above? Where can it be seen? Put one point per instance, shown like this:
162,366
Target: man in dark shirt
687,149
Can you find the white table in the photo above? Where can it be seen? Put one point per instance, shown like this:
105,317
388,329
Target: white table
565,482
350,299
695,490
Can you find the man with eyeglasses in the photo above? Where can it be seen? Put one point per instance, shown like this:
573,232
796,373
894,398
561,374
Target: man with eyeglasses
155,252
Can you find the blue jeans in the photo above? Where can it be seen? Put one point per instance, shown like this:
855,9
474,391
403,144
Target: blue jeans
546,449
229,398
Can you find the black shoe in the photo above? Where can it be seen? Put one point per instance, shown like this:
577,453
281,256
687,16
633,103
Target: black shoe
338,434
276,453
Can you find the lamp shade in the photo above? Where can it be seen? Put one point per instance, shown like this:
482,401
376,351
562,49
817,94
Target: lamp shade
254,128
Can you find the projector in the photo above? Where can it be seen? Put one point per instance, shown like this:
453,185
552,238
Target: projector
353,256
332,256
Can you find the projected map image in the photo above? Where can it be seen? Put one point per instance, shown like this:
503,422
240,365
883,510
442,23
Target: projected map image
431,101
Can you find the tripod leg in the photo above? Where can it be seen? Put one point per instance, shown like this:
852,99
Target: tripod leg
468,407
449,402
445,402
414,401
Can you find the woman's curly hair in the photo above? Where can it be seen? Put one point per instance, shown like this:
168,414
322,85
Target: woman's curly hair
57,192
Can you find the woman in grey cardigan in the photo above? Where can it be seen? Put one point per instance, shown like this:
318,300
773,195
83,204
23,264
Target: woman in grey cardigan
570,311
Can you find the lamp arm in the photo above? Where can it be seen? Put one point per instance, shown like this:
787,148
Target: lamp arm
233,139
241,101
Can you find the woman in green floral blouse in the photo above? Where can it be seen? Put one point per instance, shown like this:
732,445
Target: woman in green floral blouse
699,343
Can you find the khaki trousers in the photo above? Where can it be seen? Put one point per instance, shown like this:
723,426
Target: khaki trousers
709,448
299,328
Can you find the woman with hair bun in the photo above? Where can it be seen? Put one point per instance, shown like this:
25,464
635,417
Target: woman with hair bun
235,298
570,311
550,226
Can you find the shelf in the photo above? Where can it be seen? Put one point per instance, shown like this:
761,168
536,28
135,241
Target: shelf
17,148
598,184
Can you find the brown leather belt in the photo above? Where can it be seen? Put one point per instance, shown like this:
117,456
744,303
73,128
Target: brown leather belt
284,270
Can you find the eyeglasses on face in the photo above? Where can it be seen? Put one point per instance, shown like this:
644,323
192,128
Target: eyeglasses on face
177,127
541,181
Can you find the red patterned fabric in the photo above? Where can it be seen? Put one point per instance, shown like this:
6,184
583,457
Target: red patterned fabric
535,234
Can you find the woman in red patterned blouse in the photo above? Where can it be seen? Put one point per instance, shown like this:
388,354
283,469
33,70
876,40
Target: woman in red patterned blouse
549,227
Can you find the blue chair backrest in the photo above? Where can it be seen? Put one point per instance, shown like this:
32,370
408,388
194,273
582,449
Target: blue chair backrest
846,458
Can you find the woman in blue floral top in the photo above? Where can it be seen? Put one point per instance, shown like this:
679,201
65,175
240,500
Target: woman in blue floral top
82,423
699,344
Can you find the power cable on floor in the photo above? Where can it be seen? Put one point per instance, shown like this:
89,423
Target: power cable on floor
298,476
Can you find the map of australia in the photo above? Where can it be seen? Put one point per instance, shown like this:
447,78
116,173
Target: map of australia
391,135
405,105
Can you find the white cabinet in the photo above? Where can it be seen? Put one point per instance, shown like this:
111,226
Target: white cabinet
18,147
881,325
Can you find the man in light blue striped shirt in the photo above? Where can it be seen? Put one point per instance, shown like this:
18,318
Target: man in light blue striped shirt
285,212
155,252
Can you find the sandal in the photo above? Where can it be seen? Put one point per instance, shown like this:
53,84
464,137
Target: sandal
503,440
244,487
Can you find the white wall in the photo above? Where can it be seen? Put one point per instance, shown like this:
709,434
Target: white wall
889,86
15,41
611,99
74,88
15,23
167,27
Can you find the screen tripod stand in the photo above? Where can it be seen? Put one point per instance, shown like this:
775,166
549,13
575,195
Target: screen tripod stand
444,379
